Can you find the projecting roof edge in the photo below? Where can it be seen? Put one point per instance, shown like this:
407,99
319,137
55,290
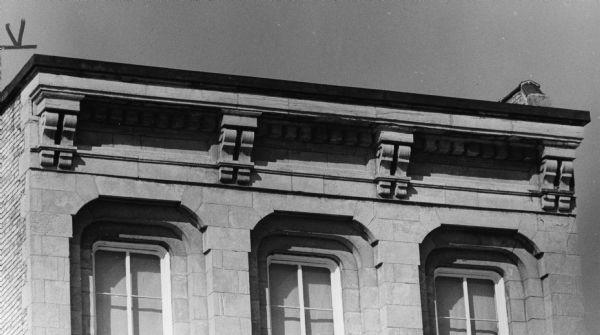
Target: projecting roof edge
283,88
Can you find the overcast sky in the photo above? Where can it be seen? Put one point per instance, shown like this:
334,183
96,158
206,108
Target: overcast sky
468,49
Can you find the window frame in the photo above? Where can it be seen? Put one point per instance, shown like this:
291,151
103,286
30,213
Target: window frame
336,288
499,294
165,278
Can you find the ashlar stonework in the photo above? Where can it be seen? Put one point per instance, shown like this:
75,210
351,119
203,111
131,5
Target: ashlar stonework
236,178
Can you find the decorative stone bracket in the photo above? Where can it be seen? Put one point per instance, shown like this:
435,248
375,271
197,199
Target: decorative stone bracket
556,178
393,156
236,142
57,113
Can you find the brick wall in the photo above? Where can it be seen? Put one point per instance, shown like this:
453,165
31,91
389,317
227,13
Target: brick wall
12,227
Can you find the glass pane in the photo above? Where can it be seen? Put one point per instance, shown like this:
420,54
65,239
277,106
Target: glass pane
317,287
285,321
319,322
145,275
111,315
481,299
452,327
484,328
449,297
283,282
147,316
110,272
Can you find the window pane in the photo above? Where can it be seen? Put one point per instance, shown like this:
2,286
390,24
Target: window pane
319,322
317,287
452,327
285,321
110,272
147,316
449,297
111,315
481,299
283,282
145,275
484,328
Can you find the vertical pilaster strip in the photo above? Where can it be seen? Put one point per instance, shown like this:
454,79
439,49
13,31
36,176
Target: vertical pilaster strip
227,278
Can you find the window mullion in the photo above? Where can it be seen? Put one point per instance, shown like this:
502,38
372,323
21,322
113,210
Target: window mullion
129,294
467,306
301,300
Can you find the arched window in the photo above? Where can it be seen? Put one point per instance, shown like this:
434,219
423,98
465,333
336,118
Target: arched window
306,275
469,302
131,290
304,295
479,282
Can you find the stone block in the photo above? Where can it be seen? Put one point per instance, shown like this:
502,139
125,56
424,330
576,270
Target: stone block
307,184
398,273
396,211
243,282
55,246
214,215
274,181
397,252
56,292
45,315
349,188
394,316
226,239
128,188
563,284
60,202
53,224
371,320
243,217
567,305
224,325
180,310
568,325
44,267
52,181
534,307
225,196
219,280
179,287
235,260
351,300
516,310
230,304
536,327
369,297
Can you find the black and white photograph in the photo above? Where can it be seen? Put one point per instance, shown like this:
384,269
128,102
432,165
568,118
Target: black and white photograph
299,167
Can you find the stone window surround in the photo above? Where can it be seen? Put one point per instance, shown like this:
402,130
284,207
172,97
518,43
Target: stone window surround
310,237
177,234
497,251
165,274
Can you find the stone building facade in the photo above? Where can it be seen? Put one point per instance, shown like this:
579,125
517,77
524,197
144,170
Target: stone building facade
140,200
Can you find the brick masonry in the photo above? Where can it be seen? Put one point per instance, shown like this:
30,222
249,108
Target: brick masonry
12,228
221,179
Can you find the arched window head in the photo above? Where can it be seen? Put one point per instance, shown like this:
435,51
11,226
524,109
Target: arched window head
304,296
131,291
469,302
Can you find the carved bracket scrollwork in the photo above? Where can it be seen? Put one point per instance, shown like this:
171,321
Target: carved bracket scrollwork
57,113
556,178
236,142
392,159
